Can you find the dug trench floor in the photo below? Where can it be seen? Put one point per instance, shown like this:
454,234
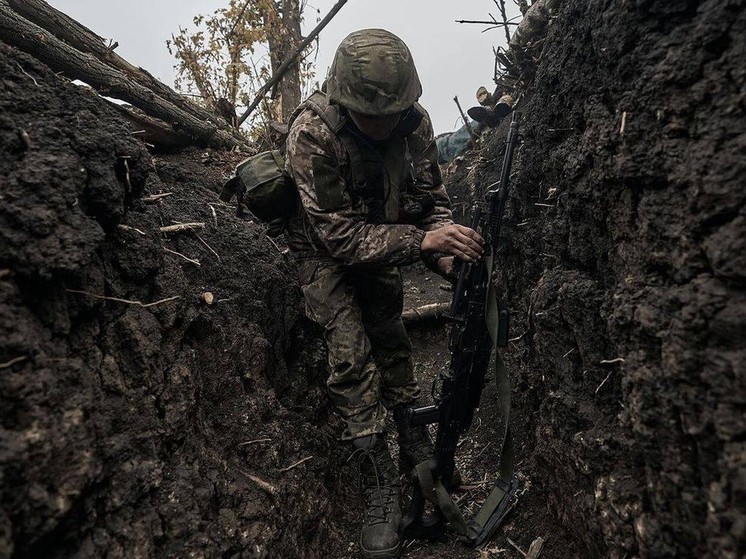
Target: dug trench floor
478,453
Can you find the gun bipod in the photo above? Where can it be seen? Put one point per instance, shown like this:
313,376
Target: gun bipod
431,527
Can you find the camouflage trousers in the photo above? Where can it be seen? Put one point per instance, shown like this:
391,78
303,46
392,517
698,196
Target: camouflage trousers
370,355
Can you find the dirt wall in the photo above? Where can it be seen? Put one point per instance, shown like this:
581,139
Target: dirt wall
145,430
628,277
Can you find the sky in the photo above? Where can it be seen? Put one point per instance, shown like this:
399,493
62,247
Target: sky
451,58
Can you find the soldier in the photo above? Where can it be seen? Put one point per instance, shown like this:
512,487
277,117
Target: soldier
366,165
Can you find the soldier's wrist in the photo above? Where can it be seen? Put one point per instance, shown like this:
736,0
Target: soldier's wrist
419,237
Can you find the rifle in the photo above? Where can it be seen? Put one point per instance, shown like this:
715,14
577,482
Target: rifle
479,322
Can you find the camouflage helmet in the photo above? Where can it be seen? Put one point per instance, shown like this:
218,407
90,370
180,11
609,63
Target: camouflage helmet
373,73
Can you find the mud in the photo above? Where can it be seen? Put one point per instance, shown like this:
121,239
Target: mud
146,429
627,279
137,420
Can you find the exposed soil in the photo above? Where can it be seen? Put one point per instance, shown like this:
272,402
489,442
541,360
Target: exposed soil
130,430
627,280
137,420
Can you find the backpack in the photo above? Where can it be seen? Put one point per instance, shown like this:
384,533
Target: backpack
263,186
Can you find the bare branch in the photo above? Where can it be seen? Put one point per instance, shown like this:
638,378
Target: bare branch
13,361
298,463
501,6
182,227
474,137
155,197
192,261
126,301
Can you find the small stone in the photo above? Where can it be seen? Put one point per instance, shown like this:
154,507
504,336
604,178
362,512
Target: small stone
208,297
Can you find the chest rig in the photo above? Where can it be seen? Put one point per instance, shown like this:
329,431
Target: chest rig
379,174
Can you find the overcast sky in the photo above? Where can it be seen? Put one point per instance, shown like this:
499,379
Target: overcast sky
452,59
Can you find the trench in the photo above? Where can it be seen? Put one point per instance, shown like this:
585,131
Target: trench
137,419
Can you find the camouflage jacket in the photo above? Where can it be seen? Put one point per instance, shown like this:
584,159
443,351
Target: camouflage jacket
338,219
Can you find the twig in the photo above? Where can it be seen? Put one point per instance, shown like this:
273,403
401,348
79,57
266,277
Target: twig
155,197
298,463
136,132
265,486
501,6
493,23
624,123
611,361
271,240
473,134
182,227
568,353
201,240
128,228
195,262
603,382
518,549
127,301
255,441
238,19
13,361
518,337
29,75
483,449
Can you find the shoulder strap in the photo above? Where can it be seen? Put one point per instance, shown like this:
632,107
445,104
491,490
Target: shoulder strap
318,102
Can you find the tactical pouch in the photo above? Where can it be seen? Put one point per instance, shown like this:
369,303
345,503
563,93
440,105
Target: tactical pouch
263,185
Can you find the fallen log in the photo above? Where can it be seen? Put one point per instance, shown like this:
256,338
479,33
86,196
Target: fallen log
432,311
153,131
61,57
83,39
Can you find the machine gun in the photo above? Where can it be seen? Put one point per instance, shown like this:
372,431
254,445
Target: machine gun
479,322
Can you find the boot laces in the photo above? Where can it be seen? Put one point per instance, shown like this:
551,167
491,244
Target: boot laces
379,492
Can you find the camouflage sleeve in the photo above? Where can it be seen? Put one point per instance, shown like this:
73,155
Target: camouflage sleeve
428,179
314,164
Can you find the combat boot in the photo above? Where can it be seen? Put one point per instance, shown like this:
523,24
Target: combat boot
415,446
379,485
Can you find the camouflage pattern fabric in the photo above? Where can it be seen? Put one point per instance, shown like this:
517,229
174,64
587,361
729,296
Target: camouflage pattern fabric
349,268
373,73
369,350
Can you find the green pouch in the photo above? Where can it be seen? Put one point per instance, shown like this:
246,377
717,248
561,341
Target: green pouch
263,185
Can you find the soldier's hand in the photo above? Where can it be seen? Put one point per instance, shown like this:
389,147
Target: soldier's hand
455,240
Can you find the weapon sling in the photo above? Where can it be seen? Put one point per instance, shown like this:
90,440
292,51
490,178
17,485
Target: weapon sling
429,482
